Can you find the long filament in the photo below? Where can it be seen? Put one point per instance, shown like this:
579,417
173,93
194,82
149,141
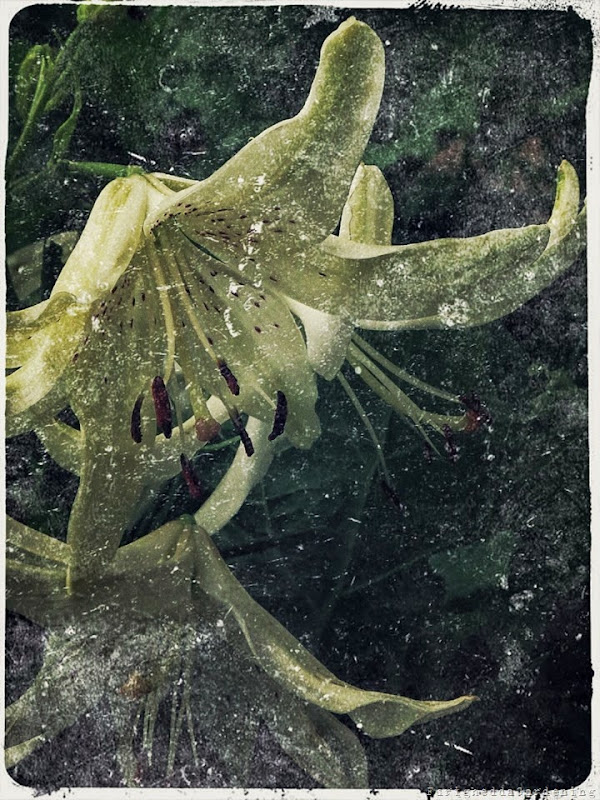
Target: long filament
367,423
388,390
400,373
167,310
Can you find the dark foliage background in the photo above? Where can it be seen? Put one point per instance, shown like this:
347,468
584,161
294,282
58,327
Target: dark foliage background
482,585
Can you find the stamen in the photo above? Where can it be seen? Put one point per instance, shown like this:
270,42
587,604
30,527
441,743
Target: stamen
136,420
207,429
243,434
367,423
183,293
402,374
477,414
394,396
281,413
162,406
193,484
165,303
392,496
229,377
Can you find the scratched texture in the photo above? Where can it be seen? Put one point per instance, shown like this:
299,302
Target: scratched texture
482,585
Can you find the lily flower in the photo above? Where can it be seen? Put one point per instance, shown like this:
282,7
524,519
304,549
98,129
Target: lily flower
167,602
201,285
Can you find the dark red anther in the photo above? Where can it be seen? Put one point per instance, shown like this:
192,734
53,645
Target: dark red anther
450,445
193,484
136,420
229,377
476,414
281,413
392,496
162,406
207,429
243,434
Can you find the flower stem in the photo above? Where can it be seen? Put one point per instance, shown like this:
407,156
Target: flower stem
101,169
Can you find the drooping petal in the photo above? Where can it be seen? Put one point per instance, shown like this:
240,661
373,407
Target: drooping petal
36,390
23,326
408,282
506,295
368,214
441,283
108,242
566,203
285,190
286,660
367,218
100,257
126,349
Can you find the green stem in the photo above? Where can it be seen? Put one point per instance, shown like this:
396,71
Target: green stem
43,94
101,169
35,111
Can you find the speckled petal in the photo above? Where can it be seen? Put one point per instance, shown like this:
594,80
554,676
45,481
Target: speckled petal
285,189
288,662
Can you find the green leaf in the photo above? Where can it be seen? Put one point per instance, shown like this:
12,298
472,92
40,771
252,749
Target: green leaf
35,69
63,135
482,565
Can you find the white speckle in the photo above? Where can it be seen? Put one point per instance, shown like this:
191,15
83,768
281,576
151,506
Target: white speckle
379,282
227,317
321,14
520,600
456,313
434,46
462,749
357,370
220,623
